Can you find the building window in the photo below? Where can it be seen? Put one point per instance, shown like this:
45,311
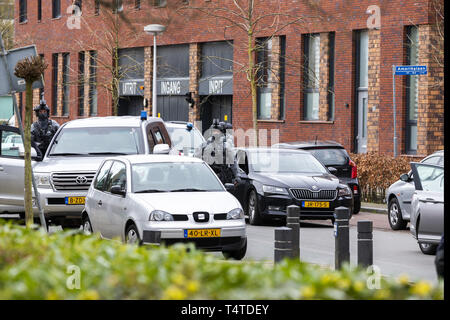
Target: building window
39,10
118,6
311,76
23,11
79,4
54,83
81,63
282,76
264,77
56,9
330,96
160,3
97,7
93,83
65,84
412,90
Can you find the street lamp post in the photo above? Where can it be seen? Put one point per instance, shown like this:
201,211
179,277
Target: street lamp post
154,29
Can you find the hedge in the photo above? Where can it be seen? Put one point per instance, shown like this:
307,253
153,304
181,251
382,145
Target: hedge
34,265
376,172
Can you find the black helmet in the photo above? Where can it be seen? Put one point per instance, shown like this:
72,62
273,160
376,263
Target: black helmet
42,106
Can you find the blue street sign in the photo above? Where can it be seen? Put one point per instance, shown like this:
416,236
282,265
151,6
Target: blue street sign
410,70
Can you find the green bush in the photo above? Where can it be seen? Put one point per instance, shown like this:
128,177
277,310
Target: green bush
34,265
376,172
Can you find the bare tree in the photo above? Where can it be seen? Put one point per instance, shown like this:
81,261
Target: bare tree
252,19
31,70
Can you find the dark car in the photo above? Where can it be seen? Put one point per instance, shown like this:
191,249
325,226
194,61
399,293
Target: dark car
332,155
270,179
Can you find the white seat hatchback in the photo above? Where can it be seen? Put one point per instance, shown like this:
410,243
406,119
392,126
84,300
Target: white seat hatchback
154,199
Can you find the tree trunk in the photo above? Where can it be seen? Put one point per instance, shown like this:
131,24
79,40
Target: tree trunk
253,88
27,147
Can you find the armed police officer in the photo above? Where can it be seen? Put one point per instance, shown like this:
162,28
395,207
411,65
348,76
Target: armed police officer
43,130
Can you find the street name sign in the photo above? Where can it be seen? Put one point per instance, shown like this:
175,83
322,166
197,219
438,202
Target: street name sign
410,70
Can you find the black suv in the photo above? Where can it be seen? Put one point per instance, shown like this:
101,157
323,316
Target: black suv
332,155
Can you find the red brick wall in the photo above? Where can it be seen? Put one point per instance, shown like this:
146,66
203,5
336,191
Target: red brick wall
341,17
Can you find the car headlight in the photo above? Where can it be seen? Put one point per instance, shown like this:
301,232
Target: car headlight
159,215
276,190
344,191
42,180
234,214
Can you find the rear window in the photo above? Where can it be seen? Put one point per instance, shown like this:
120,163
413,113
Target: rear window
331,156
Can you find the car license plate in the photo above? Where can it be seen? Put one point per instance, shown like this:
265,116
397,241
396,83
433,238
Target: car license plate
75,200
202,233
315,204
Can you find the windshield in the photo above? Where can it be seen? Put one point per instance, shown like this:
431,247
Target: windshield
285,162
182,138
331,156
174,177
97,141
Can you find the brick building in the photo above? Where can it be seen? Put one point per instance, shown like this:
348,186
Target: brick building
324,67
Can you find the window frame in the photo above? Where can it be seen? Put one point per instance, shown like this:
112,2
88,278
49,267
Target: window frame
95,183
108,179
308,88
56,9
23,11
409,123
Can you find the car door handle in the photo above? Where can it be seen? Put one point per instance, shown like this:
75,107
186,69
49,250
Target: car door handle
1,169
100,202
429,200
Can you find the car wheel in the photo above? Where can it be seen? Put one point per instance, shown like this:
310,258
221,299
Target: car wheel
87,226
236,254
428,248
132,235
357,207
395,215
254,217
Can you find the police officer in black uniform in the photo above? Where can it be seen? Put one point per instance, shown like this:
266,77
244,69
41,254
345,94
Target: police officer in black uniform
43,130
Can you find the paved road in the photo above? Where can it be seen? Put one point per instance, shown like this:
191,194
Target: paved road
395,252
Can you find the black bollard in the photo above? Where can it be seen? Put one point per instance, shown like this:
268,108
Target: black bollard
365,243
293,222
283,244
341,234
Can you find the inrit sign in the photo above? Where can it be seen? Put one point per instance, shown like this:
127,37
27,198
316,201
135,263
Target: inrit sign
215,86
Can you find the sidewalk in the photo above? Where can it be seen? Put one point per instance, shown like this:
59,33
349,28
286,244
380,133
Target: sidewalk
374,207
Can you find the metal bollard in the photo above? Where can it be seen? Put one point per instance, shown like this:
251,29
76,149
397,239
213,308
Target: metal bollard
293,222
365,243
283,244
341,234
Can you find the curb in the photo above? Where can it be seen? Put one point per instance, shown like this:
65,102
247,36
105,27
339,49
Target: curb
374,210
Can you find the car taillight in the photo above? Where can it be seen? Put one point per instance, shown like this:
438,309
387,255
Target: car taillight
354,169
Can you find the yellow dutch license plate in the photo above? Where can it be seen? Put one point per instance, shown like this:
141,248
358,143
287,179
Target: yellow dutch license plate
315,204
201,233
75,200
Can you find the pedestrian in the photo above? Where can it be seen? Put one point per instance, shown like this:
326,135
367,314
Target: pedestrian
43,130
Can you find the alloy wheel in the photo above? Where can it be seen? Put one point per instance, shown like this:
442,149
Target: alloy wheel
132,236
393,214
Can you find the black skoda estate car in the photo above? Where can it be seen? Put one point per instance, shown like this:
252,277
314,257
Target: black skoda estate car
270,179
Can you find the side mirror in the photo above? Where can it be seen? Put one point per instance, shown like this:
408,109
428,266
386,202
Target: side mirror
161,149
404,177
229,187
332,170
118,190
